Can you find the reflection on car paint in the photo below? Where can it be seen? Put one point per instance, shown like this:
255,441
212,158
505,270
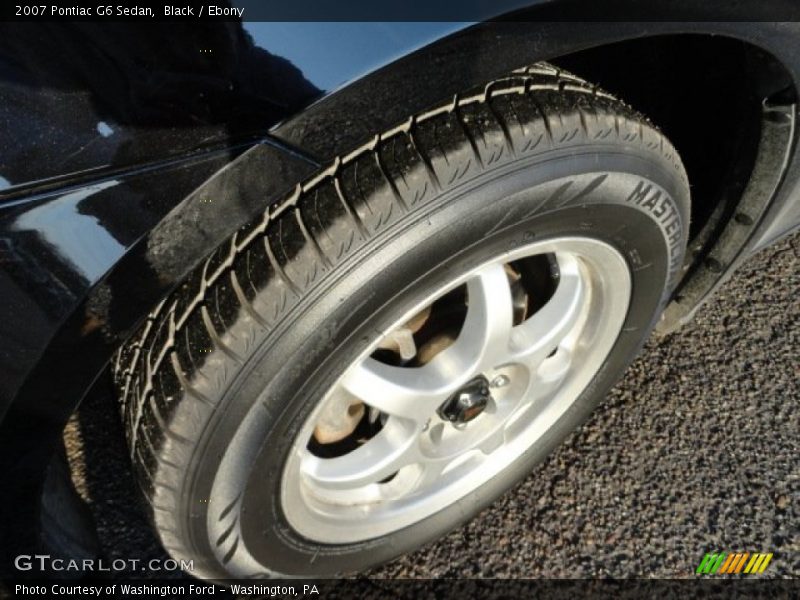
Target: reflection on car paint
74,235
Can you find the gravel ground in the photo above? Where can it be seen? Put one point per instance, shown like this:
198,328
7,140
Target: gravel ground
696,450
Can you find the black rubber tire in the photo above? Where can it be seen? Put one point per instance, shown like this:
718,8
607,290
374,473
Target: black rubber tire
221,376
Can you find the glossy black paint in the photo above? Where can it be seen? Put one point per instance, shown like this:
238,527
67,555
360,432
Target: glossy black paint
127,153
89,97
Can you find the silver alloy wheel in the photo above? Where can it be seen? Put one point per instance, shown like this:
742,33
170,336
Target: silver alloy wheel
418,462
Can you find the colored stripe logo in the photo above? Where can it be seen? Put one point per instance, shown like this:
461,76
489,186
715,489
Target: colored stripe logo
727,563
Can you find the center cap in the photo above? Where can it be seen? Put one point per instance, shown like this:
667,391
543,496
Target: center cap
468,402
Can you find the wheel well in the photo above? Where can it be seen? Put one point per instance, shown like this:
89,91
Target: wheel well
707,94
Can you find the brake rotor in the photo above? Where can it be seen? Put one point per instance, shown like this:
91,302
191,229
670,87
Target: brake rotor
519,296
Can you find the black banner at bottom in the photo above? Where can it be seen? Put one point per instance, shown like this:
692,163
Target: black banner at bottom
438,589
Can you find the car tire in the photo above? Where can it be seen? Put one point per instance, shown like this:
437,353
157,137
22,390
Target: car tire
532,175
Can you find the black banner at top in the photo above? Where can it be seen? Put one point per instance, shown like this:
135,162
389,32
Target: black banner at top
402,10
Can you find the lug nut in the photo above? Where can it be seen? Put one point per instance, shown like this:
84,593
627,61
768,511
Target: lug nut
467,403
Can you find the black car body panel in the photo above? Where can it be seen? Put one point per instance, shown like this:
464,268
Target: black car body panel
127,152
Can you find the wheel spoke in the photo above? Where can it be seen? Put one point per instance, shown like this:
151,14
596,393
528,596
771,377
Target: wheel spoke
537,337
431,472
390,450
410,393
493,441
548,378
485,336
555,367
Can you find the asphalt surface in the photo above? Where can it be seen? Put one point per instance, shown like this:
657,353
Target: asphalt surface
696,450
